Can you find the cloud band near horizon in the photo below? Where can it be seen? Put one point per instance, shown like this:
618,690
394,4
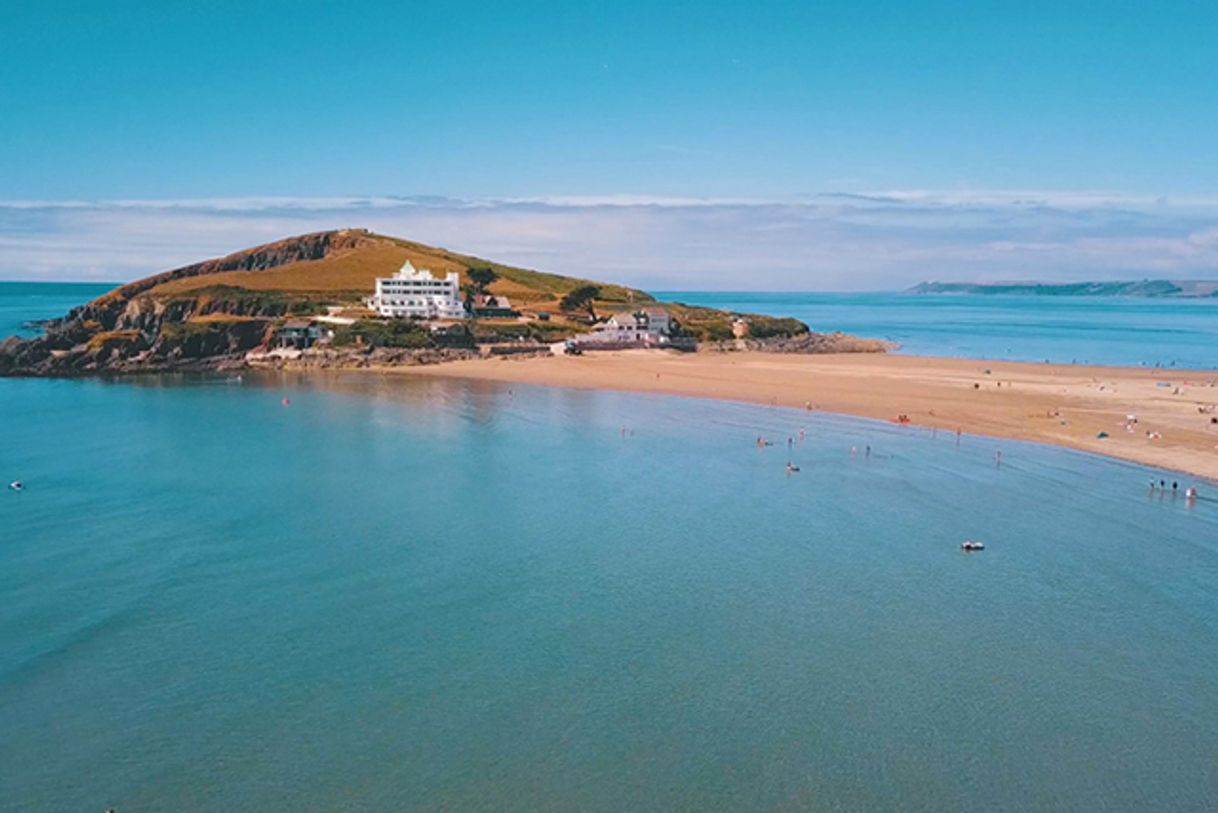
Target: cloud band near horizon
872,241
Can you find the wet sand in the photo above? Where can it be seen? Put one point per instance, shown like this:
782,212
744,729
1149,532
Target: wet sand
1064,405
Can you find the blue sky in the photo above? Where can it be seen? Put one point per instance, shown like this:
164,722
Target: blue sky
622,116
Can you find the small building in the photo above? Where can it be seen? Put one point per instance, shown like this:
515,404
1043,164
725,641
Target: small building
492,306
300,334
647,327
417,293
649,323
659,321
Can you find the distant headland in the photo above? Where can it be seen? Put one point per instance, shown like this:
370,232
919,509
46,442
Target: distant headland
1145,288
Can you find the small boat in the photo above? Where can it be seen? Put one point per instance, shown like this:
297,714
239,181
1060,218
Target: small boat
970,545
16,485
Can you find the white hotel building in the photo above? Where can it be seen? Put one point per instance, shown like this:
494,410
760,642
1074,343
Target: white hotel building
417,293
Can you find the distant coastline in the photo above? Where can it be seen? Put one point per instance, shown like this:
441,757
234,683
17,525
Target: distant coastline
1190,289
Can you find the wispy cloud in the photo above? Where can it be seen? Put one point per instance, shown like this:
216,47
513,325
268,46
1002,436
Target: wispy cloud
868,239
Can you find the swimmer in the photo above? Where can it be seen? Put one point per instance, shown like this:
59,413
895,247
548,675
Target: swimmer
791,469
868,452
16,485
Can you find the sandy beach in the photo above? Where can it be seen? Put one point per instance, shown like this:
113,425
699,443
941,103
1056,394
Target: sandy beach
1064,405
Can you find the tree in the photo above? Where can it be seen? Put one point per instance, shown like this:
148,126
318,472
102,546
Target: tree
581,298
480,278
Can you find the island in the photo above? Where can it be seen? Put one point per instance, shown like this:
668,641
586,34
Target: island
352,298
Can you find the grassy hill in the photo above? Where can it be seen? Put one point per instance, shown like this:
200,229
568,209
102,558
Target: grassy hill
345,273
223,307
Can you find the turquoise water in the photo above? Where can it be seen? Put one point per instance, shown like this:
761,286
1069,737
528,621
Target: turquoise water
1086,330
392,595
426,595
1093,330
21,302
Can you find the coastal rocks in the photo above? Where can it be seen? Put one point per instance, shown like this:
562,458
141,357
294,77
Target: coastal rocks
200,340
108,310
358,358
18,354
811,342
187,345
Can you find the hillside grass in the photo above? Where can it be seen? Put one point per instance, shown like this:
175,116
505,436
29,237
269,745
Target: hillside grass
349,275
713,325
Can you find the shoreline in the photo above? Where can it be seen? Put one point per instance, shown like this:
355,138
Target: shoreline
1061,405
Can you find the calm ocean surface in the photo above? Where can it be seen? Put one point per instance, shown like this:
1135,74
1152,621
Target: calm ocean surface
21,302
433,595
1096,330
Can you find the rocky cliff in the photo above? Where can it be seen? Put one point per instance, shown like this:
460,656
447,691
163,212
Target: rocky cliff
210,314
129,329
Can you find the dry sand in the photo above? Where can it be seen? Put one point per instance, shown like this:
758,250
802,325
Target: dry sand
1057,404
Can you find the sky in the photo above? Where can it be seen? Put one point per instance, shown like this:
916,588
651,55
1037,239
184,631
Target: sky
789,146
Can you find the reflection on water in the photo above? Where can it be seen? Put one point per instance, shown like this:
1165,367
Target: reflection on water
392,593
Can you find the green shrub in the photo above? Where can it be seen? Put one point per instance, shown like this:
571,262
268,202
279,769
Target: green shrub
383,333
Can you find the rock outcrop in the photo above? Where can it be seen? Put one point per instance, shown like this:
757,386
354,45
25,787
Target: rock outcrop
127,330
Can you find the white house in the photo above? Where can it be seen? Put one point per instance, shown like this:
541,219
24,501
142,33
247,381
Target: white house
418,293
647,326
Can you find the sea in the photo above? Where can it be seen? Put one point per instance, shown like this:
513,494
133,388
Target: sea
1125,331
353,592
